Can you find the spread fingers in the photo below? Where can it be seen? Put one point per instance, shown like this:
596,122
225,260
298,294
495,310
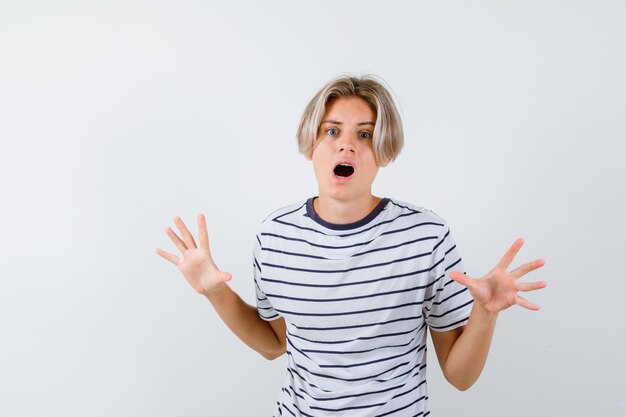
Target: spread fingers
185,233
530,286
527,267
177,241
510,254
521,301
202,232
167,256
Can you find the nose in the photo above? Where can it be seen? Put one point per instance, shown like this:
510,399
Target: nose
348,143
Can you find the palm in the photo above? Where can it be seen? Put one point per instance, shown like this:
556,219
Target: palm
196,266
196,263
498,290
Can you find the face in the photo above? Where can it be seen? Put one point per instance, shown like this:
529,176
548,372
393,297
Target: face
343,156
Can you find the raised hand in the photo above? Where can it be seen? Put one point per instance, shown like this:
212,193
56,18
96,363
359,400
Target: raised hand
498,290
196,264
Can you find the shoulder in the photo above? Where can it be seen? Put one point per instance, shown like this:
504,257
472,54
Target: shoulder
285,213
417,220
422,214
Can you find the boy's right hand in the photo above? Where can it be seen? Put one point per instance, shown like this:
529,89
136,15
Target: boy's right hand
196,264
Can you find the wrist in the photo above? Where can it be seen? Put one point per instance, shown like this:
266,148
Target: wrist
216,295
481,312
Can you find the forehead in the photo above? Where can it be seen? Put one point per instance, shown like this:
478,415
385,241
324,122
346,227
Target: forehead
346,109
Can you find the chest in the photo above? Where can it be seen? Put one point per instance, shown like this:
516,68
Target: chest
376,284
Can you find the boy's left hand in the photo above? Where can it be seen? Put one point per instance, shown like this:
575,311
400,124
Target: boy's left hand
497,290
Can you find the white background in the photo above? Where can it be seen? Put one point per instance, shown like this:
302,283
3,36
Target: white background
116,116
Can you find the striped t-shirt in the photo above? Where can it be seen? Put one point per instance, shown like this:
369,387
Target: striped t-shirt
357,300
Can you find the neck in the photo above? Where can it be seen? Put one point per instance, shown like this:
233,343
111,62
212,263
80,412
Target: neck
344,211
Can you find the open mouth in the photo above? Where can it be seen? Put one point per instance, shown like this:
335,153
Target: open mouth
343,170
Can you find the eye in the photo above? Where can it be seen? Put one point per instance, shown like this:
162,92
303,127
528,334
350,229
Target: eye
365,135
332,131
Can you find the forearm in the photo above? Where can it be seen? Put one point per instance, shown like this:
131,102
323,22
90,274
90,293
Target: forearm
243,320
468,355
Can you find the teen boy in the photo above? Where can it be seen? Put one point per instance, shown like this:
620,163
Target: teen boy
347,282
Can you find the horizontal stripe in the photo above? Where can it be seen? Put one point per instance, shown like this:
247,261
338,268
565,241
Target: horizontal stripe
292,211
363,394
416,348
346,284
356,297
295,239
450,324
340,271
402,408
423,382
379,323
333,342
371,405
363,378
385,248
417,365
445,313
461,291
343,352
411,227
347,313
359,407
305,255
352,245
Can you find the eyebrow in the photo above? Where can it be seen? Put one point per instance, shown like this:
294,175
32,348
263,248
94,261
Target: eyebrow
335,122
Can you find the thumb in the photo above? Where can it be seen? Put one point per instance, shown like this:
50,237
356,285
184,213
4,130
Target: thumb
462,279
225,276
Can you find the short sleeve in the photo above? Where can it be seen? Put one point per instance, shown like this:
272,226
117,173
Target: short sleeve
447,304
264,307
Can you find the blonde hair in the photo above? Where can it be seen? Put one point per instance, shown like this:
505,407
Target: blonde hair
388,136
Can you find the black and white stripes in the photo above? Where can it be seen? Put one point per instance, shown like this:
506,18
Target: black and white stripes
357,300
